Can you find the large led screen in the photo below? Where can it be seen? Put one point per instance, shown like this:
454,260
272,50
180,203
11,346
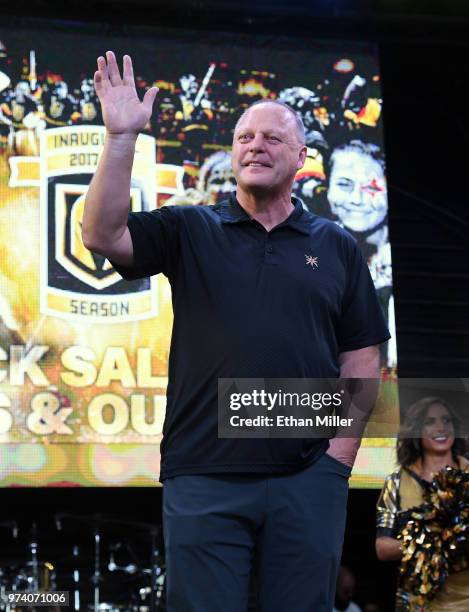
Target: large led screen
84,354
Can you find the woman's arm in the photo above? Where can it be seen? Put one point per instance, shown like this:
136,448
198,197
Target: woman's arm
388,549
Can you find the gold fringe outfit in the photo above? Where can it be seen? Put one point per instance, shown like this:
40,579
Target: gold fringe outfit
403,490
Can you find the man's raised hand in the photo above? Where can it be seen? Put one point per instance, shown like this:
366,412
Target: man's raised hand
123,113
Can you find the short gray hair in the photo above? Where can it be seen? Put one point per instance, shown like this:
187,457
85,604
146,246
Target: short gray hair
300,128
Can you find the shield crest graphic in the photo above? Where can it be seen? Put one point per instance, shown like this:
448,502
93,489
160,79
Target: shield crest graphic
76,283
91,268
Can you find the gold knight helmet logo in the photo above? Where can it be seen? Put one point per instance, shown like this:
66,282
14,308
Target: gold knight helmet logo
91,268
76,283
77,248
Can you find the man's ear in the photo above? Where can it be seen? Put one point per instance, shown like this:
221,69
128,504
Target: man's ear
302,158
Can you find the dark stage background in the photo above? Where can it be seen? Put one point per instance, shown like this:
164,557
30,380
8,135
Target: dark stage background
423,57
424,67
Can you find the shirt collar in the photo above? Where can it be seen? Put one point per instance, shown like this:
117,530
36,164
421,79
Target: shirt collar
232,212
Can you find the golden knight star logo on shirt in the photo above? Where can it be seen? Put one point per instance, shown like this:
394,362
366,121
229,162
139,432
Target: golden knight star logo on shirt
312,261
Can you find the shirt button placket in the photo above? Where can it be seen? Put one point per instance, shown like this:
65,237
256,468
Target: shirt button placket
269,252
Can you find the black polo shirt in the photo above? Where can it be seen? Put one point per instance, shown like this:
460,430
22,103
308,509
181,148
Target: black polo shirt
250,304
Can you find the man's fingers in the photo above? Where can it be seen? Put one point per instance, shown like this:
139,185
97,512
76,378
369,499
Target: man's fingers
98,82
102,68
113,69
128,73
149,98
101,78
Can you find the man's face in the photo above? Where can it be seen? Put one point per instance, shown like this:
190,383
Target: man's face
60,90
221,183
344,591
21,90
267,152
357,190
87,87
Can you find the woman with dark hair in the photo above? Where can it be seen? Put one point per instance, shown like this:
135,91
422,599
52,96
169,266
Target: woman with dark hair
428,443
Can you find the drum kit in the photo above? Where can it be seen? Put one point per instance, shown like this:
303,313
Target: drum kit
111,565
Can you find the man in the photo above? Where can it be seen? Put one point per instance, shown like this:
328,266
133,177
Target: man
215,183
248,303
344,592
